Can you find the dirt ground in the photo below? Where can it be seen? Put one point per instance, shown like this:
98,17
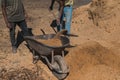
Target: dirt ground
96,55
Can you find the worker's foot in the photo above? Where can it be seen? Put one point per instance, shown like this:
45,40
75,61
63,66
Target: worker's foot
14,49
35,59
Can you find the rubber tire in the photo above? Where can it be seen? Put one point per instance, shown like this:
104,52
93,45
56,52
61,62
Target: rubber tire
62,66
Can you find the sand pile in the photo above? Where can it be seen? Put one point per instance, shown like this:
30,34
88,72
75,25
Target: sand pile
94,62
102,12
98,21
20,74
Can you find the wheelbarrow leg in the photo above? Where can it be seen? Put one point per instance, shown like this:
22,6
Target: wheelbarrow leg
52,57
52,60
52,65
48,62
35,57
63,54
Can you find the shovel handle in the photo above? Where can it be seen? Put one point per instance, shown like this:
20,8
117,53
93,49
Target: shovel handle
42,31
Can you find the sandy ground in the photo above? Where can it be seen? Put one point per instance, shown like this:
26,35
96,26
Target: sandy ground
97,52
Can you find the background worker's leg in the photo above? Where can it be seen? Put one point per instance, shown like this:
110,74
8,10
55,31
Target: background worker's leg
68,17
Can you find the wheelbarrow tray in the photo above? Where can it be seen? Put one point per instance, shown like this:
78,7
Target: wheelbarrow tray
44,49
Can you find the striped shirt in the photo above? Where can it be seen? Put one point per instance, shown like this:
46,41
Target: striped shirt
14,9
69,2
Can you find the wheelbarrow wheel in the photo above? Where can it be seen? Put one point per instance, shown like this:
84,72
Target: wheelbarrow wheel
61,70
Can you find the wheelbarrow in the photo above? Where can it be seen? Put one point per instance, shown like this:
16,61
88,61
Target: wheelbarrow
53,55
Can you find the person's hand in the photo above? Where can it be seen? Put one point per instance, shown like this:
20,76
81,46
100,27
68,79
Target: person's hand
26,16
58,21
9,25
50,8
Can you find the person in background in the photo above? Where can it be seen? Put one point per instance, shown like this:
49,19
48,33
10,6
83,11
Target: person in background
65,14
52,4
14,14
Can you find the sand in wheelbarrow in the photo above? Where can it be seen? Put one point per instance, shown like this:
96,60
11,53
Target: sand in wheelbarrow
55,41
50,42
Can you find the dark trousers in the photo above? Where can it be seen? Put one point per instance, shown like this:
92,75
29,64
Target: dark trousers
23,26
